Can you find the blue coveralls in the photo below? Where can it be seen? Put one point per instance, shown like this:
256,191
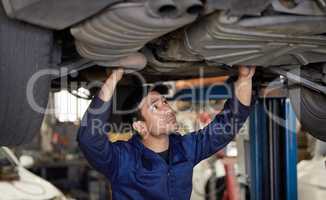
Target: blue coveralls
136,172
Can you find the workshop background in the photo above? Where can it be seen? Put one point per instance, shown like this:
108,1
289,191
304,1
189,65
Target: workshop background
264,161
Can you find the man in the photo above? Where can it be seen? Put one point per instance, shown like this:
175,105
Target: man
157,163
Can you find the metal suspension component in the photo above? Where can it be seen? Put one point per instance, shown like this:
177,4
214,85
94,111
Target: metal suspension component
125,28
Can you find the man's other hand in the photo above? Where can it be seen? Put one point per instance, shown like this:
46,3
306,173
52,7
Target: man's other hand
243,86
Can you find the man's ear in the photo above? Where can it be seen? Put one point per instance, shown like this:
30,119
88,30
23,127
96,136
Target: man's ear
140,127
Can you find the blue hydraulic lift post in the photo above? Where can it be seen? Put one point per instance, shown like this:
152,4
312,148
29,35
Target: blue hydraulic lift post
291,153
263,155
258,131
274,144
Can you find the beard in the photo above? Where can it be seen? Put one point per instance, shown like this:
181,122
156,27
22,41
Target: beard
165,124
165,128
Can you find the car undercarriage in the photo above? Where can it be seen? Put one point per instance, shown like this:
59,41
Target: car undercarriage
176,39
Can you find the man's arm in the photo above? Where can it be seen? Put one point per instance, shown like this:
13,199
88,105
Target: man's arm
92,134
226,124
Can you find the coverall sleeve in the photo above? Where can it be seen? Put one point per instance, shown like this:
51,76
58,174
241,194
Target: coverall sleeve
219,132
93,140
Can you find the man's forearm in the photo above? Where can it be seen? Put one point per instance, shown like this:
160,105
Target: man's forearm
220,131
93,141
107,90
243,91
93,129
110,84
92,134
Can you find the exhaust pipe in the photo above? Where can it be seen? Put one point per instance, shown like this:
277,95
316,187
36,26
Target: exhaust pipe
162,8
192,7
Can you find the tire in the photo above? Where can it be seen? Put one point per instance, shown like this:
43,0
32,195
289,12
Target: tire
310,108
24,50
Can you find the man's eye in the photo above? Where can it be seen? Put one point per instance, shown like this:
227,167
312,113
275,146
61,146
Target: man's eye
165,101
153,108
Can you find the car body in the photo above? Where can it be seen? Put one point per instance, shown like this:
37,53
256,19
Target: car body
27,185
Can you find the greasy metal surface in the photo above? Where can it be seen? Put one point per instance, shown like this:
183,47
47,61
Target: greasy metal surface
240,7
264,41
125,28
248,7
306,7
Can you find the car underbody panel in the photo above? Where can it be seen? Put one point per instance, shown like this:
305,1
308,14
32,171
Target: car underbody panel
261,41
54,14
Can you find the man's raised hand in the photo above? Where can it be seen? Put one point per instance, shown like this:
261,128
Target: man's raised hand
110,84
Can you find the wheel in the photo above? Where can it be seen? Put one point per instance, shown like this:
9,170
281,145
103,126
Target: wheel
310,108
24,50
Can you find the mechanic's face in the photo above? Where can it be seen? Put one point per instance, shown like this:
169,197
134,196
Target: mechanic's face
160,118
